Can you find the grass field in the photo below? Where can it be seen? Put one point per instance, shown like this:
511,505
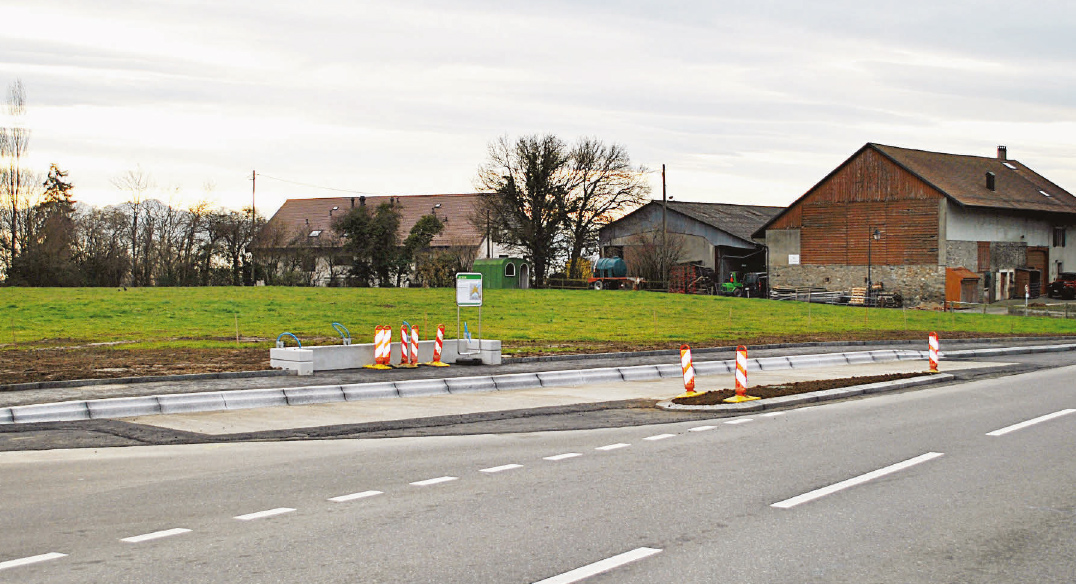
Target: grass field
565,320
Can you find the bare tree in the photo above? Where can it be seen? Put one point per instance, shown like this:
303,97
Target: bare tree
16,182
645,255
136,183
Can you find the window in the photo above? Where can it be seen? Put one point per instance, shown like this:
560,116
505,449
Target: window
509,270
315,233
1059,237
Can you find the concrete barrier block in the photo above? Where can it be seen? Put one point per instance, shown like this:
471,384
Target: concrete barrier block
602,375
291,354
421,387
55,412
361,391
318,394
470,384
253,398
123,407
517,381
666,370
773,363
5,416
185,403
561,378
713,367
640,373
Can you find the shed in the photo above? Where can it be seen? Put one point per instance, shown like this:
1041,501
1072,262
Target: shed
504,273
961,285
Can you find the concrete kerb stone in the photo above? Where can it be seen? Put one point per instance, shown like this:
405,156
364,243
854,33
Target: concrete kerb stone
814,396
773,363
377,390
421,387
670,370
602,375
54,412
123,407
318,394
714,367
859,357
640,373
187,403
471,384
517,381
253,398
5,416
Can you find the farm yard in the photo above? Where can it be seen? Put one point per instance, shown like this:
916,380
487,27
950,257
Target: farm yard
84,333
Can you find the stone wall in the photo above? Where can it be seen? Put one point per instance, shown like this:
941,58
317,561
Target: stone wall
917,284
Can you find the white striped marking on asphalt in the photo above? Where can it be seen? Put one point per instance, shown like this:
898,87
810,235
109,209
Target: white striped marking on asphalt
701,428
819,493
739,421
1031,422
613,446
773,414
433,481
603,566
562,456
155,535
501,468
30,560
262,514
659,437
353,496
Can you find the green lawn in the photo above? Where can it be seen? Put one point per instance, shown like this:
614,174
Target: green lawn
207,317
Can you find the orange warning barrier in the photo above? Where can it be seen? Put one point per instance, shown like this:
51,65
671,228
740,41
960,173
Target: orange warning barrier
382,340
404,360
437,346
689,370
414,346
932,341
741,377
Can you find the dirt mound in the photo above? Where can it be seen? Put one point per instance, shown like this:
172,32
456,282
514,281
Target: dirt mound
710,398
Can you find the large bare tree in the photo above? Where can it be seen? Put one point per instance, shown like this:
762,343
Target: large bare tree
16,182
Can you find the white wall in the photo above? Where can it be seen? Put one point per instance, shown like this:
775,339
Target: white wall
964,224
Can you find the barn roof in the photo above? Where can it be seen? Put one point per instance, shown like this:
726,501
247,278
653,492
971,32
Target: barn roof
738,220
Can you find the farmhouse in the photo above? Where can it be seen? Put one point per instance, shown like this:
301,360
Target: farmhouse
713,235
931,226
301,232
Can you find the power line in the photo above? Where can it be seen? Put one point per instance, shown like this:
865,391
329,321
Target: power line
291,182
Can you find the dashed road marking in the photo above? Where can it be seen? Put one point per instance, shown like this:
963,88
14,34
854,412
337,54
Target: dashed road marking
773,414
353,496
435,481
263,514
603,566
819,493
155,535
1030,422
564,456
739,421
31,560
613,446
659,437
501,468
701,428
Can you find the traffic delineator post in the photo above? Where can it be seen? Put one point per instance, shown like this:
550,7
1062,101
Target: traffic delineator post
932,341
382,342
405,360
689,371
437,345
741,377
414,346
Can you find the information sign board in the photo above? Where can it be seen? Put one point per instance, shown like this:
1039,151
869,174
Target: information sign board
468,289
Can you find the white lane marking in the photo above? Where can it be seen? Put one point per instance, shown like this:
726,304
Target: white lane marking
701,428
613,446
659,437
819,493
353,496
562,456
433,481
501,468
31,560
603,566
1031,422
155,535
263,514
739,421
773,414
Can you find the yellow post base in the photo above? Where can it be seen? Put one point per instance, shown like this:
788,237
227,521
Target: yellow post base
378,367
437,364
687,394
406,366
739,398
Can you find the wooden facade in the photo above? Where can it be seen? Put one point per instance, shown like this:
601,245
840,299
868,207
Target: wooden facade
869,192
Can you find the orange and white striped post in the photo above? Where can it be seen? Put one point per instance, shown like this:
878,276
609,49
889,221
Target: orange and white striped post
689,370
933,343
403,346
437,347
382,337
741,377
414,346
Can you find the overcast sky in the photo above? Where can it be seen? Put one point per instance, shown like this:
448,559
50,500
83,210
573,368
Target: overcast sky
747,102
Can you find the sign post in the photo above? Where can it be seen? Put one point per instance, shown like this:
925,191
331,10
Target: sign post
468,294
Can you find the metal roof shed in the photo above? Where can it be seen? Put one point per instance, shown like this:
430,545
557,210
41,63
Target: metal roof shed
504,273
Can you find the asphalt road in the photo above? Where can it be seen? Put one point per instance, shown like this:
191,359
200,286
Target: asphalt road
689,501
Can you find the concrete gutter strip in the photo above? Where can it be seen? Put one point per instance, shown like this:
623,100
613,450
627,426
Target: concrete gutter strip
814,396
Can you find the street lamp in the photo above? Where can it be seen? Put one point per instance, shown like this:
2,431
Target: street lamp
871,235
433,210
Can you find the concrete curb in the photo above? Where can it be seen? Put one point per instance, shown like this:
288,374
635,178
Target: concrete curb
148,379
256,398
814,396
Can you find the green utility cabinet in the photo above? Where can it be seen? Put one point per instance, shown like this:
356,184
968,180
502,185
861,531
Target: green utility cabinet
504,273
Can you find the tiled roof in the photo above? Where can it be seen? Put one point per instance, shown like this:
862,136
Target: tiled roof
301,217
738,220
963,179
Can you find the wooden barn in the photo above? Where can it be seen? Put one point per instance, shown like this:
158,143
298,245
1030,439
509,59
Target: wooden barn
931,226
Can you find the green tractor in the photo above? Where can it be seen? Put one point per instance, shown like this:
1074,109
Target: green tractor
733,286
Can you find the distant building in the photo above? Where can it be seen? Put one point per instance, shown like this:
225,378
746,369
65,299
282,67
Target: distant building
935,226
301,232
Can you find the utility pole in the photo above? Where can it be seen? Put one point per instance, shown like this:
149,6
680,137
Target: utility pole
664,226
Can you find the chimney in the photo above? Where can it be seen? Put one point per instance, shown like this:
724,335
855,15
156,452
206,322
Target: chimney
362,201
990,181
1003,154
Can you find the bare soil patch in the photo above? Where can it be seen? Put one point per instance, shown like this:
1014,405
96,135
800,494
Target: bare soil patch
24,366
710,398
